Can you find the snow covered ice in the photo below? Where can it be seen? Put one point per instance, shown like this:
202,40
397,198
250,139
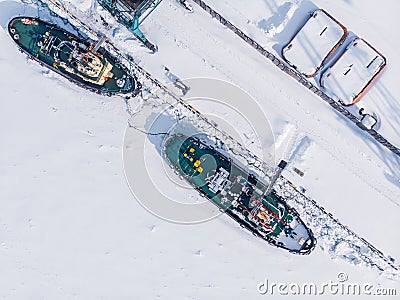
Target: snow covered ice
69,226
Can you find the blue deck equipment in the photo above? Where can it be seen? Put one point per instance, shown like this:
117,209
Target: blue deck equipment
132,13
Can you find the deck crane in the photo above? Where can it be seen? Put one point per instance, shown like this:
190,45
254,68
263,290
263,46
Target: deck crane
132,13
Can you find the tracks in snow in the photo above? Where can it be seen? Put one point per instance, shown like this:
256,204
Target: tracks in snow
299,77
337,238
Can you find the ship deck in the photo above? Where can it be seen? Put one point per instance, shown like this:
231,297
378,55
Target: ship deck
238,193
67,55
202,166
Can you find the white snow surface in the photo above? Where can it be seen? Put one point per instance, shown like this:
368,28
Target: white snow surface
71,229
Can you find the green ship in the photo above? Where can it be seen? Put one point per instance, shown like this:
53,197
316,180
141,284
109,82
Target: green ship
238,193
83,62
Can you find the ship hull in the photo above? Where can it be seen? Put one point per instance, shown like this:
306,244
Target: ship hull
70,56
238,194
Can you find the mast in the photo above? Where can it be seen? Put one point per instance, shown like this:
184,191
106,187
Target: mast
99,43
277,174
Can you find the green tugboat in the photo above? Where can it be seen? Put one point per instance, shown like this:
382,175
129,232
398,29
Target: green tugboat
82,62
239,194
